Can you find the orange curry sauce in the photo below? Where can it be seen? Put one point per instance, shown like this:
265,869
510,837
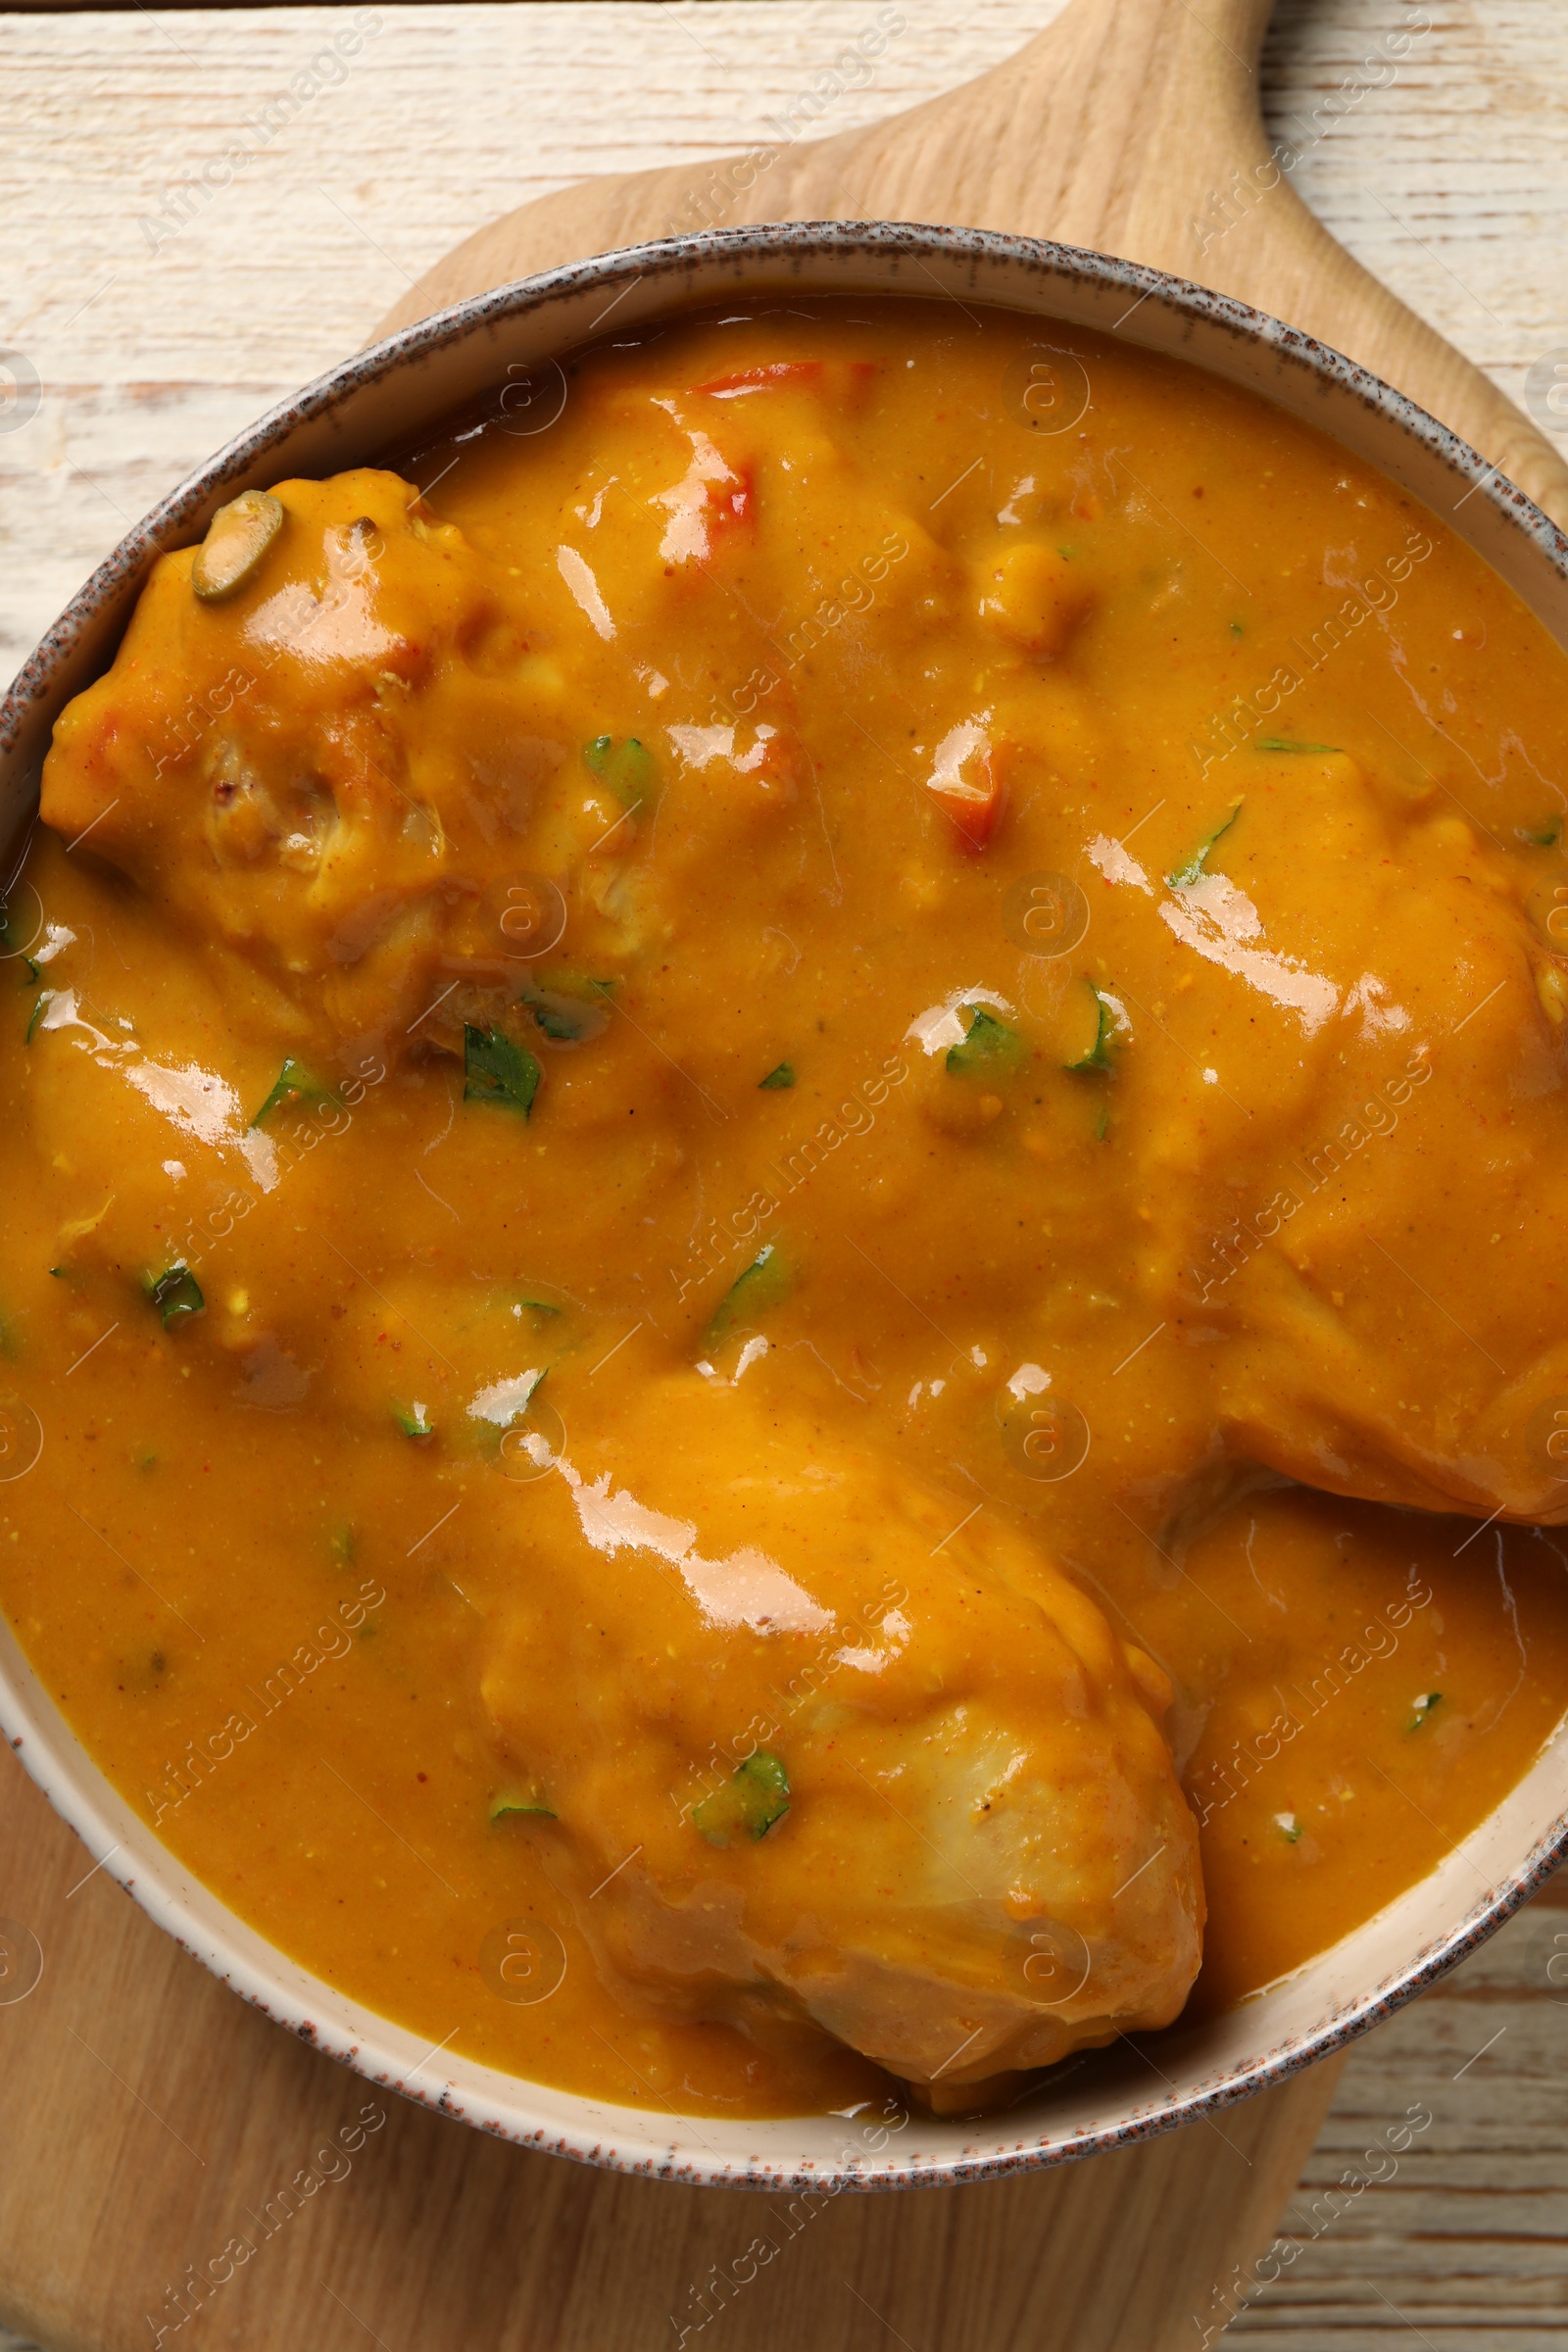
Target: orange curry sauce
712,1132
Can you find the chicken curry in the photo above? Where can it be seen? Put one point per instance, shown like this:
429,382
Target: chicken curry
785,1163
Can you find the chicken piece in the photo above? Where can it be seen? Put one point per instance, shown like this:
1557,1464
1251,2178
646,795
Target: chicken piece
349,773
811,1750
1355,1205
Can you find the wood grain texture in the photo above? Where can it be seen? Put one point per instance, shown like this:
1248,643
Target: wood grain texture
1131,127
1450,182
150,2121
1466,2245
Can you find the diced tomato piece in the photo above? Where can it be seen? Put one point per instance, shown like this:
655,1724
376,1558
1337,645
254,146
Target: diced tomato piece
728,502
770,378
735,498
776,761
715,494
969,784
975,812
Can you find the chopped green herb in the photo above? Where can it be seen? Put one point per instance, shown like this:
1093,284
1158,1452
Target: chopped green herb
1102,1123
498,1070
1283,742
752,1800
1237,629
1547,838
293,1084
1098,1058
627,766
1423,1709
504,1807
759,1286
781,1076
413,1420
8,945
175,1293
343,1544
1290,1829
563,1028
37,1013
1192,870
537,1306
567,1017
990,1048
61,1273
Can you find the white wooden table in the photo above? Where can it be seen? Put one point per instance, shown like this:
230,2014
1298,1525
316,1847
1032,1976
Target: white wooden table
158,315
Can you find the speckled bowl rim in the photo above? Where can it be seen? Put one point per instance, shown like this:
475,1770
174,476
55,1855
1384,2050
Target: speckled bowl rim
1510,531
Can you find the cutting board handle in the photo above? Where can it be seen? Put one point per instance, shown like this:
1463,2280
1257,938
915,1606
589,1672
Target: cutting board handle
1129,115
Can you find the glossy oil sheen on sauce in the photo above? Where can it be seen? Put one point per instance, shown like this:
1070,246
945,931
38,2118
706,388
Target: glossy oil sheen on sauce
766,1155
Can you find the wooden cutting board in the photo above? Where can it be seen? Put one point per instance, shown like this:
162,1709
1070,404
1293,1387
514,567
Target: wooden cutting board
145,2113
148,2118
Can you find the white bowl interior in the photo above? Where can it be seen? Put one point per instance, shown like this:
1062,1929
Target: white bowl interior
352,417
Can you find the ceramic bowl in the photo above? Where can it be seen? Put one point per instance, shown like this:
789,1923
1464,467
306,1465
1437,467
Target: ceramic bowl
378,401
